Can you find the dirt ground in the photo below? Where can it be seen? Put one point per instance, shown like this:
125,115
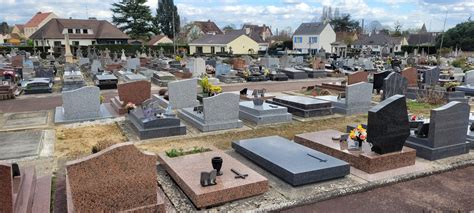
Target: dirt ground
75,142
223,141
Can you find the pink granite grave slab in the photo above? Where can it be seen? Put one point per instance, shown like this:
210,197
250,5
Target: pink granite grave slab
186,172
119,178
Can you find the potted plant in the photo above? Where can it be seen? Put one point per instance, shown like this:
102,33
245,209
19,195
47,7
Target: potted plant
130,106
451,86
358,134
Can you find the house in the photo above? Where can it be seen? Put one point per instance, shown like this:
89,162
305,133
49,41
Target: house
200,28
159,39
38,20
343,41
422,38
234,43
82,32
18,31
379,42
312,37
254,35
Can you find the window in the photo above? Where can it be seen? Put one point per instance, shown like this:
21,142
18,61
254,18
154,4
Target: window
213,50
36,42
375,46
75,43
93,42
57,43
78,31
313,40
69,31
85,31
222,49
298,40
199,49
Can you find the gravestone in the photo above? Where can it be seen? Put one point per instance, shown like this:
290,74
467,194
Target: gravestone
81,103
469,78
135,92
197,66
379,80
119,178
411,74
358,99
431,76
162,78
270,62
182,94
264,113
218,112
133,64
96,67
394,84
388,126
446,134
222,69
356,77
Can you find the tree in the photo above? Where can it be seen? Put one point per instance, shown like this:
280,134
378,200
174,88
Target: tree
133,17
397,29
4,29
460,36
229,27
344,24
166,15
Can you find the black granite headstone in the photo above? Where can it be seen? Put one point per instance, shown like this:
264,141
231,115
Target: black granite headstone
388,126
379,80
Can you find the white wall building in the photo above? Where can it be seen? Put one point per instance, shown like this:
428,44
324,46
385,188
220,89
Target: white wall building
313,37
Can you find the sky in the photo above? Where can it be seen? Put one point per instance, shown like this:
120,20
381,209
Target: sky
279,14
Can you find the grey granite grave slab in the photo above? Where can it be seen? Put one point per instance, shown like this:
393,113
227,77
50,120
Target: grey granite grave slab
81,105
447,133
14,145
469,78
294,73
106,81
134,77
23,120
162,78
147,127
358,99
219,112
467,89
394,84
264,114
133,64
222,69
304,106
292,162
182,94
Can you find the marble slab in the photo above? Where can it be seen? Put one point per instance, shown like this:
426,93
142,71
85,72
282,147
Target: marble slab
292,162
186,172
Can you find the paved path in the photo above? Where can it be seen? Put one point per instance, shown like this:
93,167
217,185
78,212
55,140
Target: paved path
50,101
446,192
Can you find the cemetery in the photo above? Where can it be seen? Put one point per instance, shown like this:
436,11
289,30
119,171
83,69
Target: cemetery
152,132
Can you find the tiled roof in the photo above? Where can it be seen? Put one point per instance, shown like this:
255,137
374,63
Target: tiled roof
101,29
310,28
377,39
421,38
37,19
216,39
253,35
155,39
208,27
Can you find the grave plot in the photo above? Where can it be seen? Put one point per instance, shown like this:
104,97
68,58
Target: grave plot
25,120
194,175
358,99
387,130
444,135
304,106
14,145
132,92
291,162
119,178
181,94
219,112
22,191
82,105
264,113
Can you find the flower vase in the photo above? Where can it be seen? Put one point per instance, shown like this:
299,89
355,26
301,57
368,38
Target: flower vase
360,143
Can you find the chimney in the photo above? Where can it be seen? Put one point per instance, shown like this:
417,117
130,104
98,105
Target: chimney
248,30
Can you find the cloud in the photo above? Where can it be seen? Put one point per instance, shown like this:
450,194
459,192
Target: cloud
276,13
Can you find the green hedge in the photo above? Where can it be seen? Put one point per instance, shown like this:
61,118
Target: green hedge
428,49
129,49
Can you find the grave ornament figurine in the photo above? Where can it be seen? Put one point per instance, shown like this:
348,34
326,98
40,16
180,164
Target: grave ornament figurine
217,165
208,178
258,97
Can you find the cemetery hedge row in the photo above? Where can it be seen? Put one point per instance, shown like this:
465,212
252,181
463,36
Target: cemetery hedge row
129,49
428,49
